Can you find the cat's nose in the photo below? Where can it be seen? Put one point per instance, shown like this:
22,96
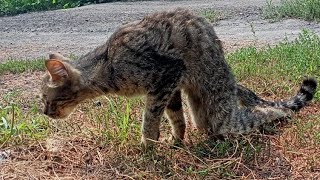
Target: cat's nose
47,111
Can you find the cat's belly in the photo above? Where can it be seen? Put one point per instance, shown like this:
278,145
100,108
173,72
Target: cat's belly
130,91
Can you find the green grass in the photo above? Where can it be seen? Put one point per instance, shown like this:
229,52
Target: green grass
305,9
211,15
12,7
116,121
303,127
19,66
18,125
286,62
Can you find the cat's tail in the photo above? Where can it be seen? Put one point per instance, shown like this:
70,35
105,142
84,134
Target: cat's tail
306,93
258,112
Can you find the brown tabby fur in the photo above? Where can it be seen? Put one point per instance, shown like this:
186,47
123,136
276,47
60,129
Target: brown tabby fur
160,56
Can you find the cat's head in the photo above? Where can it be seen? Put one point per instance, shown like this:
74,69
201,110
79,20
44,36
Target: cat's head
61,87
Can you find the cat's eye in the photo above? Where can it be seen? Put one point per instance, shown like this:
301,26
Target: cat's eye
44,99
63,99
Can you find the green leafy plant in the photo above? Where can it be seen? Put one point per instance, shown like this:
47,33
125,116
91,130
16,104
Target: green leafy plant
18,126
288,60
13,7
304,9
18,66
211,15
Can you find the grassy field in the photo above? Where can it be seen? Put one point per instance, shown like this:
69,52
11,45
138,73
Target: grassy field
305,9
13,7
212,15
102,137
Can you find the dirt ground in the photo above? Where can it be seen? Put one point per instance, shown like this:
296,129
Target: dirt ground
78,30
81,157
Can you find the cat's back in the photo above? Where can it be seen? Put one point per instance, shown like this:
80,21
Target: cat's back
177,34
174,19
177,28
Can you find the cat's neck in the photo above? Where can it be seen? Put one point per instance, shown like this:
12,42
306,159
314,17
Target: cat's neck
89,65
89,62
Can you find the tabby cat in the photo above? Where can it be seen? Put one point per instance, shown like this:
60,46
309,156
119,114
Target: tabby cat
160,56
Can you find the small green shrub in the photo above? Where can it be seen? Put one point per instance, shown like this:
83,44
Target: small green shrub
13,7
290,61
17,125
211,15
305,9
18,66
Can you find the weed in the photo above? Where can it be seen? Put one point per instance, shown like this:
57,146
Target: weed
19,66
286,62
18,126
305,9
211,15
13,7
115,119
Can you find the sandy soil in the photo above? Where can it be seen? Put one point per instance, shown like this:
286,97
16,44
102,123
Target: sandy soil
78,30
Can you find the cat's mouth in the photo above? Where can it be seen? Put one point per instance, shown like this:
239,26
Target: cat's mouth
53,116
57,115
60,112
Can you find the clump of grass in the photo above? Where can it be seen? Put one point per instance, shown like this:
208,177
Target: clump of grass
18,125
19,66
211,15
12,7
116,119
285,62
305,9
307,129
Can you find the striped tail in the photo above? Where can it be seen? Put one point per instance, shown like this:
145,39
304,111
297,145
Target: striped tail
306,93
256,111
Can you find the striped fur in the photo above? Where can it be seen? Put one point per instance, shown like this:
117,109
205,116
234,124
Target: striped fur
161,56
304,96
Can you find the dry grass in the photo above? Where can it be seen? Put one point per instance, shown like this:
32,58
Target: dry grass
101,139
82,148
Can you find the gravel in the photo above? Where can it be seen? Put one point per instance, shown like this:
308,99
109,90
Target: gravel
78,30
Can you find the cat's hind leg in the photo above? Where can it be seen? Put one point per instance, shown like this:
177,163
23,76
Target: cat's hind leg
174,112
197,110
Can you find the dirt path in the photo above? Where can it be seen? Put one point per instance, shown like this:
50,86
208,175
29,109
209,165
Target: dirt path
78,30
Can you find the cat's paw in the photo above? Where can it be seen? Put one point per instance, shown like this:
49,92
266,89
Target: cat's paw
147,147
176,142
147,144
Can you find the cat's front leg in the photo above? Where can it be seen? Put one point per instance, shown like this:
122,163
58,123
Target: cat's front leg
155,106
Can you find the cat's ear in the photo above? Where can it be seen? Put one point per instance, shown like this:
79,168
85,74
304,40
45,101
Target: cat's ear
56,69
58,56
